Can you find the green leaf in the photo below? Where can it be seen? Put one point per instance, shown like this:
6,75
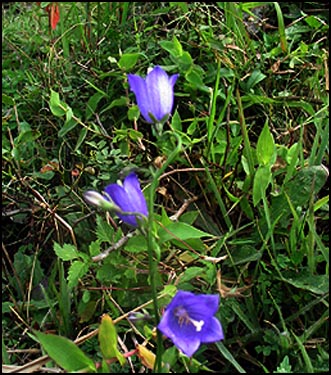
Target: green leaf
184,61
265,148
281,27
120,102
28,136
94,248
173,47
92,104
65,353
81,138
284,367
256,77
191,273
306,182
136,244
229,357
317,284
128,60
133,112
76,271
57,107
68,126
105,232
7,100
66,252
180,231
244,254
262,178
194,76
176,122
108,340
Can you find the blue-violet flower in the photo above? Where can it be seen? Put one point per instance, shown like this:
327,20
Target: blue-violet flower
155,94
189,321
129,198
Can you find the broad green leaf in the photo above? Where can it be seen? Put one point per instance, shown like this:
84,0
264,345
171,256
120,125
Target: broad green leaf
265,148
180,231
317,284
262,178
65,353
66,252
108,340
299,190
306,182
57,107
77,270
244,254
128,60
191,273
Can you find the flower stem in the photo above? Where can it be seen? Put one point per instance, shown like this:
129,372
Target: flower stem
153,247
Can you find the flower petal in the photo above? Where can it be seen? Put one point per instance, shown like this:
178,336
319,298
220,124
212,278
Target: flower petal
119,196
173,80
138,86
188,347
135,195
161,93
129,198
212,331
183,337
199,306
189,321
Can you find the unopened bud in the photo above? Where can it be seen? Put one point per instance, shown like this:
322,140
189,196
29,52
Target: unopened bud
95,198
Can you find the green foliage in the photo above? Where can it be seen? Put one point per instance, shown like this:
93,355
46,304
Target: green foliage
236,183
65,353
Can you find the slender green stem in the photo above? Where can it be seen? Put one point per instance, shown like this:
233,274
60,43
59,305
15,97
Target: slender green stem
210,126
245,134
153,246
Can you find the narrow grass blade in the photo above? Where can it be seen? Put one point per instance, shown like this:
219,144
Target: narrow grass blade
227,355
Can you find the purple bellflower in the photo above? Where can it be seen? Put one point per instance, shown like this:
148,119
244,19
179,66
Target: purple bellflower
155,94
189,321
129,198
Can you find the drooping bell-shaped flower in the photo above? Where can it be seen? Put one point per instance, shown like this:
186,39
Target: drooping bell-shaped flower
154,94
129,198
189,321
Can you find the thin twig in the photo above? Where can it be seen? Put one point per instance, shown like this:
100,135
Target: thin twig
117,245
